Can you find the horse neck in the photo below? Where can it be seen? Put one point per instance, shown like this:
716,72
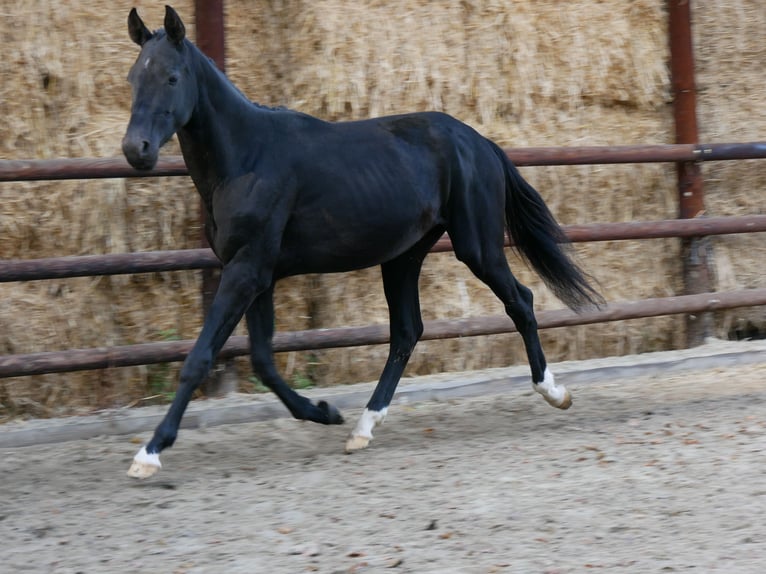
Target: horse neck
222,131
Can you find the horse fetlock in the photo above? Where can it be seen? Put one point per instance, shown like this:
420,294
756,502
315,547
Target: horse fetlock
362,434
144,464
555,395
330,414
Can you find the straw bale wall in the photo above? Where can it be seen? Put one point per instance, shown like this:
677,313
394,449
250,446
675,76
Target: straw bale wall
525,73
730,51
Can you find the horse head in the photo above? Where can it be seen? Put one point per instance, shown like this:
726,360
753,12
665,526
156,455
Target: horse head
163,86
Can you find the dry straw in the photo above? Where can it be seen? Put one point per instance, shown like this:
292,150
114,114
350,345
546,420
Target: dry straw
524,73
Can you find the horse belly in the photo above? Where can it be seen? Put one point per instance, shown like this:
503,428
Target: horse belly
322,247
345,219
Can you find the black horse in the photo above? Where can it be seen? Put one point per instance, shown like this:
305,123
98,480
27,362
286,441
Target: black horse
287,194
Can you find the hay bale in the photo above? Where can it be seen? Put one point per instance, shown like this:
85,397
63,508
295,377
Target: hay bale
730,73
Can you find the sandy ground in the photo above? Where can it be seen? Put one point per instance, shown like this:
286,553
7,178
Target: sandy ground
660,473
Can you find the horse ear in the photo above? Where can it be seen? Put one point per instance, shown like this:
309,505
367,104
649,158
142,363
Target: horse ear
175,29
138,31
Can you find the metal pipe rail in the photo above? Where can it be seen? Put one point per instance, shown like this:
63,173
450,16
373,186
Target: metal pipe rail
183,259
100,168
164,352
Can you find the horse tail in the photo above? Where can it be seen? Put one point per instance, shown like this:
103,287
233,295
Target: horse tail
541,242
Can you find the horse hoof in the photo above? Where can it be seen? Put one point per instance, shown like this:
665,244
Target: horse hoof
567,402
563,404
144,464
356,442
331,414
142,470
555,395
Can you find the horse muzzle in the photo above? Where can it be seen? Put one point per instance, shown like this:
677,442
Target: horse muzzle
139,152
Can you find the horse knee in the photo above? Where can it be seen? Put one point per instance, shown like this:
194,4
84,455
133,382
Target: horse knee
403,342
195,368
261,364
417,332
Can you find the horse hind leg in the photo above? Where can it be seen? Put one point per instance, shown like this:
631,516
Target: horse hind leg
518,301
522,314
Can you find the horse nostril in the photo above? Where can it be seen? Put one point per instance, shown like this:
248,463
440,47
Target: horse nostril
139,152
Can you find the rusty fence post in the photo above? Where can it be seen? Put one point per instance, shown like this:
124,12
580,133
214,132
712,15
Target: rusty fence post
210,38
695,251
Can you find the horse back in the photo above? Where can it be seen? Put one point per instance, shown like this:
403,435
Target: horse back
366,191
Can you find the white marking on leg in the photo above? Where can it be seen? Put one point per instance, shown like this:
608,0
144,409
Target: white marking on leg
362,433
144,464
368,421
555,395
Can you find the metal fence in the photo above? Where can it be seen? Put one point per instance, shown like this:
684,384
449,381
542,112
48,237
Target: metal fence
91,265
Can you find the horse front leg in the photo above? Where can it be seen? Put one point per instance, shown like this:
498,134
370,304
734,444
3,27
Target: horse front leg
238,287
400,284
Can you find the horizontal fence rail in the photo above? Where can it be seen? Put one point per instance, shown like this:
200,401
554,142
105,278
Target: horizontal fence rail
172,351
92,168
183,259
585,155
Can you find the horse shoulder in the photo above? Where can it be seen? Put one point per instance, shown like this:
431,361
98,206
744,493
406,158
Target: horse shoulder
249,209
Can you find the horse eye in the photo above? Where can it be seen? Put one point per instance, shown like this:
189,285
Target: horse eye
173,80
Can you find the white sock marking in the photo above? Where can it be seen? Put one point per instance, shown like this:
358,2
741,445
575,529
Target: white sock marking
548,388
144,457
368,421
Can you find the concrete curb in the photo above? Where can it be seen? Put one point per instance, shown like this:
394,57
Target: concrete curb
241,408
